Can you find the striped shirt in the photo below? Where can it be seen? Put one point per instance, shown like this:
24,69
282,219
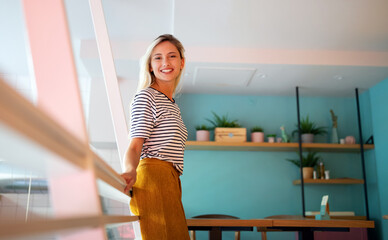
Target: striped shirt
158,120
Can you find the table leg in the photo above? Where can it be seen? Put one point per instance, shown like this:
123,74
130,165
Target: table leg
306,234
215,233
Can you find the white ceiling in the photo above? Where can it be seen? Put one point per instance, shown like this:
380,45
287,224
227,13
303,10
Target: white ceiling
326,47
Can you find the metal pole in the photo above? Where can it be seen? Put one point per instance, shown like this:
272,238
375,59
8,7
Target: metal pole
300,151
362,155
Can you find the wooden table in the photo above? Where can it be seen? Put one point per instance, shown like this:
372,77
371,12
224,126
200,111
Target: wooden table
216,226
305,226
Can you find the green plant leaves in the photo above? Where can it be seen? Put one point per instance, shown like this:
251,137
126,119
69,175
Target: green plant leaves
308,160
307,126
202,127
257,129
223,121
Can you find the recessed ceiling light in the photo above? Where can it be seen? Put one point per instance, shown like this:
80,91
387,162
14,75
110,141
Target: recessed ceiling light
261,75
338,77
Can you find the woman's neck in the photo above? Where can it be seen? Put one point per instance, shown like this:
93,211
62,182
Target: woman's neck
166,89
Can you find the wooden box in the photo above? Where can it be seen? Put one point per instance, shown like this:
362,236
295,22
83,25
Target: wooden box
230,134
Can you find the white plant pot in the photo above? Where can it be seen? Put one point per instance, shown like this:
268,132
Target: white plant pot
203,135
307,138
257,137
271,139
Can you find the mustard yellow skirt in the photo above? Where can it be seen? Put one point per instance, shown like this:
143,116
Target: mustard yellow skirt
156,199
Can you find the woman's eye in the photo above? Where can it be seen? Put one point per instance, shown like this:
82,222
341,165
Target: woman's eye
157,58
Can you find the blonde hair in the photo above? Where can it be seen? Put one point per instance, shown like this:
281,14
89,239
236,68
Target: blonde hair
147,78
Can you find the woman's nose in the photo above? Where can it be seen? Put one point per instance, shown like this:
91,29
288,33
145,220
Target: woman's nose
166,62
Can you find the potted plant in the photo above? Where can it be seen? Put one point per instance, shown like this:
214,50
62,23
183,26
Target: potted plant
202,133
309,161
257,134
271,138
308,130
226,130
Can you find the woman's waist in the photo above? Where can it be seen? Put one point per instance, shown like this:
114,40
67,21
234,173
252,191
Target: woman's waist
155,161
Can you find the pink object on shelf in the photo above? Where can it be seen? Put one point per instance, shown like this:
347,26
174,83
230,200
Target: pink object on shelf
350,140
257,137
203,135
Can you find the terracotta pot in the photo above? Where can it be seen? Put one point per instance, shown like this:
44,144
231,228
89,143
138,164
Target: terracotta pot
203,135
257,137
307,138
308,172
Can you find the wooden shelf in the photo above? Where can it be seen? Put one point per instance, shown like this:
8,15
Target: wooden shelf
330,181
332,147
265,146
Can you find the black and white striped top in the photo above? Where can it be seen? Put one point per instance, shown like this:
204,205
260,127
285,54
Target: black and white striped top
157,119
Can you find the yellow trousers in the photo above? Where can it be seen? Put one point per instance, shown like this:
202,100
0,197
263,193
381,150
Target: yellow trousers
157,201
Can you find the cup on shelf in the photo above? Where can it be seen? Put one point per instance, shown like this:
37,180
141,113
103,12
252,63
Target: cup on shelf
342,141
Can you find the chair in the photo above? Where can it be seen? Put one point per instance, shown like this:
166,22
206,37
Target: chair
217,216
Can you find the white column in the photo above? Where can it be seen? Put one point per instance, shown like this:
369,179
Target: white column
73,193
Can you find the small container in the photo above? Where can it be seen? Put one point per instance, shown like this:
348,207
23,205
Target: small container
327,174
342,141
279,140
315,174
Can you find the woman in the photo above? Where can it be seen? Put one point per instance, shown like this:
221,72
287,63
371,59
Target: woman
154,158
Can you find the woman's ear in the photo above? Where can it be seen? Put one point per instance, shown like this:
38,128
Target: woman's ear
182,63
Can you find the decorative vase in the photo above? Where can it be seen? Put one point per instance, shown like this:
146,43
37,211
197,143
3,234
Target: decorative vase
334,135
307,138
257,137
203,135
308,172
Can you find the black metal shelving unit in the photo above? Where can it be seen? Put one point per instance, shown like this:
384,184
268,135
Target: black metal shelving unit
361,152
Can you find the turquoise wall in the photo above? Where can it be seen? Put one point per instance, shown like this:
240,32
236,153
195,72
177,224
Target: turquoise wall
379,103
259,184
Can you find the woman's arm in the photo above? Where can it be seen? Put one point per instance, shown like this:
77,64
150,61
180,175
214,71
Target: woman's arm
131,161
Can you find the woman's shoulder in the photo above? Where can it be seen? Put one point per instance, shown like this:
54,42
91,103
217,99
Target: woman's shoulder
148,93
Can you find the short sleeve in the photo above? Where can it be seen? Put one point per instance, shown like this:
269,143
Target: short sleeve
142,115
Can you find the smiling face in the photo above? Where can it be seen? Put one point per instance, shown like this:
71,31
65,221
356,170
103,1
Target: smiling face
166,62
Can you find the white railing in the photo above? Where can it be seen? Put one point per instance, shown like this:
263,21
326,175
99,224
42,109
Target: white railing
51,140
37,136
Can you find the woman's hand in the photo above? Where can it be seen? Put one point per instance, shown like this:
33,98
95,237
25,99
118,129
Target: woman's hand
131,160
130,179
